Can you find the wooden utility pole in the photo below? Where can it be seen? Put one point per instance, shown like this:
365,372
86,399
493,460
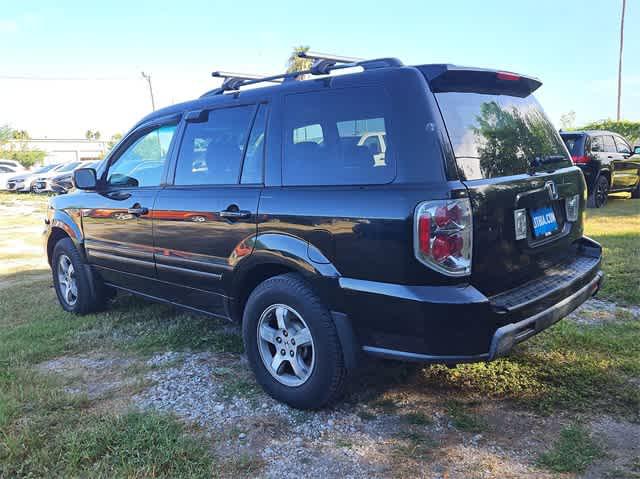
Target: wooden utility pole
624,4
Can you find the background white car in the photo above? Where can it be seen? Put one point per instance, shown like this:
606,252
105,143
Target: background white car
23,181
41,183
6,172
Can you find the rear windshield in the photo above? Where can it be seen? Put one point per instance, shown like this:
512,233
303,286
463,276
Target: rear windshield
574,143
500,135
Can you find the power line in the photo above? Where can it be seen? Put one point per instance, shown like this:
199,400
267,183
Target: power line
41,78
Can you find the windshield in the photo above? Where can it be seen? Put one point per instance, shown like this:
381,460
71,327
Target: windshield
45,168
500,135
67,166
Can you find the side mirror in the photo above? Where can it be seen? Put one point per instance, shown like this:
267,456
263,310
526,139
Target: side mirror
636,150
85,179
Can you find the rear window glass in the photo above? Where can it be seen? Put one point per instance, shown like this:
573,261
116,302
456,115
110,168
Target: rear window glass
499,135
574,143
337,138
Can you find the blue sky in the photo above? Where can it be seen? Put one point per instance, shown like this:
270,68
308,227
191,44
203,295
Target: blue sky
91,54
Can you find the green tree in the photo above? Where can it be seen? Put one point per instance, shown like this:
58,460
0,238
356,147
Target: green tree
22,154
297,64
92,135
567,120
20,135
18,151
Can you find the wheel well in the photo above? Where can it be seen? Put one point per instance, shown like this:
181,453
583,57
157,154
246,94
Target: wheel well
607,175
252,279
56,235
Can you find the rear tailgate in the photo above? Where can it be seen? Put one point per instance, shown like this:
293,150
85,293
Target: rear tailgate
513,162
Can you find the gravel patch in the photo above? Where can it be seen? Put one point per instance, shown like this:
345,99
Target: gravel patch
597,311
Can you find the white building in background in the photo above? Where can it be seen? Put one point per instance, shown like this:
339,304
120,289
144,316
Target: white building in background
64,150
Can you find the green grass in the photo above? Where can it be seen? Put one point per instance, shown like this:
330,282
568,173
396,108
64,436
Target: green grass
463,420
414,445
573,451
569,367
617,228
418,418
131,445
45,432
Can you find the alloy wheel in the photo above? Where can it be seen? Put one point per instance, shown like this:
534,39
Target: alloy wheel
601,194
67,284
285,345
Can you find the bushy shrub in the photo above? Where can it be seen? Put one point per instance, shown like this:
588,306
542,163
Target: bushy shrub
629,129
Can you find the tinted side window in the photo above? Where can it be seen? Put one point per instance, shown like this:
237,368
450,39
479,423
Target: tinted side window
211,151
325,138
254,158
622,146
143,162
596,143
609,145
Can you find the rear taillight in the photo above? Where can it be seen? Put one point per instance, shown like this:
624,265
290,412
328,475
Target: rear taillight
443,236
572,207
580,160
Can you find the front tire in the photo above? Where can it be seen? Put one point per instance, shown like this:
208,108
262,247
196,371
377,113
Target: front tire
600,193
292,343
77,292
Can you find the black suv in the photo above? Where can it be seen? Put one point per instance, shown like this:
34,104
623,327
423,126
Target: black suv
608,162
426,213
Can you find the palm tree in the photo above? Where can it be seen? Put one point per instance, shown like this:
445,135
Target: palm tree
297,64
624,4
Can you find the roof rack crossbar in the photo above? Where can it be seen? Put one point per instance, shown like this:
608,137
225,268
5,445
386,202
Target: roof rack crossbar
323,65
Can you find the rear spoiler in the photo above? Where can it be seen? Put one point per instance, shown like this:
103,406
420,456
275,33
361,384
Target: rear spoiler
449,78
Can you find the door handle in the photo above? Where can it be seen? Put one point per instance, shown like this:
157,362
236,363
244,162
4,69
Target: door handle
609,157
235,214
140,210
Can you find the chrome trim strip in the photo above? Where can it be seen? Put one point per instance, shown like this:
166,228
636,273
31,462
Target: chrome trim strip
192,272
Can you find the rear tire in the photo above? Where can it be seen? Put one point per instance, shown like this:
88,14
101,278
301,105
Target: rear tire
599,194
307,375
635,193
77,292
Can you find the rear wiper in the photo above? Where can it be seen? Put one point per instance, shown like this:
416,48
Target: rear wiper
552,159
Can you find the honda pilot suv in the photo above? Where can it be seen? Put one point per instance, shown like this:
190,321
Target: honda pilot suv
459,238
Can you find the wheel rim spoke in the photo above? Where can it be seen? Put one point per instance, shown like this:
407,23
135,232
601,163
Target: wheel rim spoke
303,337
68,294
280,317
299,369
277,363
268,333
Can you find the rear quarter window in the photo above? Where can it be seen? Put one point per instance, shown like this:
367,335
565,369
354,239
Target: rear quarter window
338,137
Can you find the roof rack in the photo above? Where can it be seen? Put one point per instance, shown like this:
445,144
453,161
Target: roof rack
323,65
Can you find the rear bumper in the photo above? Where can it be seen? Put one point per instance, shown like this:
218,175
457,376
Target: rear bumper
453,324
